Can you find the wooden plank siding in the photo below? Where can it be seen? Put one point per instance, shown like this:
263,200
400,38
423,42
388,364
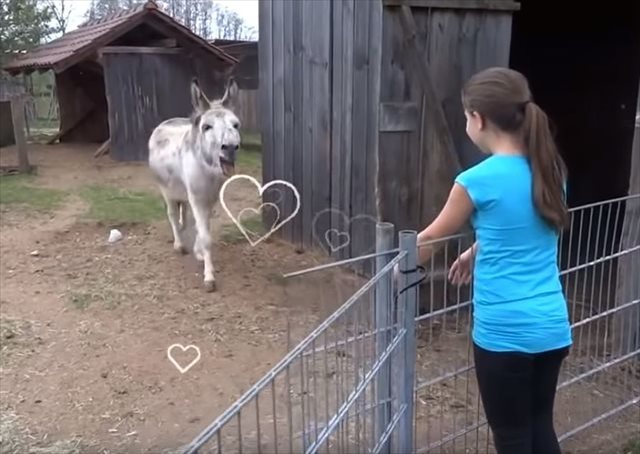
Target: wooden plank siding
349,124
455,43
144,89
265,56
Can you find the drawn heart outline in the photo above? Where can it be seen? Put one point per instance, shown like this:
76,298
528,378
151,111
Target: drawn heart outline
347,222
261,190
337,234
184,349
257,211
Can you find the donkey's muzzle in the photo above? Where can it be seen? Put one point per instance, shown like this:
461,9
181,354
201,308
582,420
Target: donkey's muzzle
228,167
228,158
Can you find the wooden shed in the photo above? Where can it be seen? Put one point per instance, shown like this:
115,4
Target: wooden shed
362,112
119,76
246,74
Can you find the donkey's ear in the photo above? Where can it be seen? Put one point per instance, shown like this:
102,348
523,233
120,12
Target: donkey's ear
231,94
198,100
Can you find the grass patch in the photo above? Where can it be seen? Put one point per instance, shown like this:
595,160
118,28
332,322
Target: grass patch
113,205
232,235
632,447
249,161
251,141
19,190
250,156
106,299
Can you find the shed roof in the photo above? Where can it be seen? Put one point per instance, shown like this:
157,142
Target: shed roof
72,47
237,48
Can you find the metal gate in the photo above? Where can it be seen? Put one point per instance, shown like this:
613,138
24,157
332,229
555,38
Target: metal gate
392,370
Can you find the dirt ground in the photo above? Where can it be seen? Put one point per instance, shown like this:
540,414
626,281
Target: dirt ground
87,324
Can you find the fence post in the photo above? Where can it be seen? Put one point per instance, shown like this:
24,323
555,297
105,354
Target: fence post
407,302
384,306
18,118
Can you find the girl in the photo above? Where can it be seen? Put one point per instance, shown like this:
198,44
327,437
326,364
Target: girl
515,201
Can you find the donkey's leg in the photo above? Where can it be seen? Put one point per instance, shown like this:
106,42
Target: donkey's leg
173,214
202,213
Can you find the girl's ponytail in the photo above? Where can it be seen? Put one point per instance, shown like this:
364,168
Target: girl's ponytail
549,170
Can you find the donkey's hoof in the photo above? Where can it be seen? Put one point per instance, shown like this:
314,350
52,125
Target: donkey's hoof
210,286
180,249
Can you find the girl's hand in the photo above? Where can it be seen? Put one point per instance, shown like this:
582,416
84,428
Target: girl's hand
462,268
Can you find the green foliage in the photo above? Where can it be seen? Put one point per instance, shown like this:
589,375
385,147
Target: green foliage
102,8
23,25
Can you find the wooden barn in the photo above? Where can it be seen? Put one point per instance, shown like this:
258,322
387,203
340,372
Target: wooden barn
247,75
362,111
119,76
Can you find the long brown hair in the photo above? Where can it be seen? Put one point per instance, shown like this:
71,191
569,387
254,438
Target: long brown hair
502,96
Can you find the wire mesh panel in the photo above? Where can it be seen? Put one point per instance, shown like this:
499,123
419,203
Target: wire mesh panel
333,392
392,371
448,411
599,379
601,376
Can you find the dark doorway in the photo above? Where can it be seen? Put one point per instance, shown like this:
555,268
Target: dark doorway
583,64
584,71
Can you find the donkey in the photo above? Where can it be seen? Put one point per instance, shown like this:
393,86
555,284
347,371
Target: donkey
190,159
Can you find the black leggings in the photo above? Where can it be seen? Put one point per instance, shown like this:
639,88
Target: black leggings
518,392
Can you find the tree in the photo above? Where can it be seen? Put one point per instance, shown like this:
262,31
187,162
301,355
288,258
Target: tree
60,12
204,17
23,25
101,8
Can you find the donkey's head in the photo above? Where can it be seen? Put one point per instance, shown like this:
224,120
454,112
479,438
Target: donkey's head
216,127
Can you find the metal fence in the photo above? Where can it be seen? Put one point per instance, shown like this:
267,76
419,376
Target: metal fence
392,371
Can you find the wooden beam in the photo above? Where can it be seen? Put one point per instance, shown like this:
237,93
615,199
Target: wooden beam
17,117
140,50
496,5
72,126
103,149
416,58
165,42
626,322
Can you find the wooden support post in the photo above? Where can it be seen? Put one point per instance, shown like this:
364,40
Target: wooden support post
103,149
17,116
626,322
416,57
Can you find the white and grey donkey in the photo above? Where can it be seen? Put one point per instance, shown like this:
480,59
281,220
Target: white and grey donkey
191,158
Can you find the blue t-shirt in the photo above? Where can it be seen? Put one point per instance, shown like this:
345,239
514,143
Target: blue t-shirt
518,300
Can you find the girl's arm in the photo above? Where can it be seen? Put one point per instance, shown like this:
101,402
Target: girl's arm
454,215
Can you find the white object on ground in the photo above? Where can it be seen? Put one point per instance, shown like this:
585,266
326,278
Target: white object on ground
114,235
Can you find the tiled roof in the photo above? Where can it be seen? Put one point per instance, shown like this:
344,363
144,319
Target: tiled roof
96,33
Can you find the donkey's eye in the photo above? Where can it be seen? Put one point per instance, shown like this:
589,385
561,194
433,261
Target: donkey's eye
206,127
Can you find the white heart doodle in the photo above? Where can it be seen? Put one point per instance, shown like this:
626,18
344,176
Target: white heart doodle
261,190
257,212
342,239
341,233
184,349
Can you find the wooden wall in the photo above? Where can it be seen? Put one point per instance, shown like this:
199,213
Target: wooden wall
144,89
248,109
343,114
319,83
415,173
